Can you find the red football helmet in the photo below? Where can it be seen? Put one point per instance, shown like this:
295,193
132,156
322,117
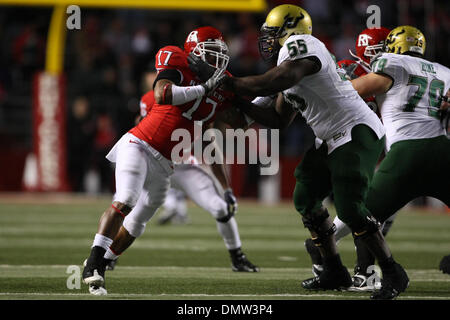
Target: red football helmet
208,44
369,43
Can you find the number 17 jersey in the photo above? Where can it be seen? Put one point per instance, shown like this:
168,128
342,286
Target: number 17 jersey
409,109
157,127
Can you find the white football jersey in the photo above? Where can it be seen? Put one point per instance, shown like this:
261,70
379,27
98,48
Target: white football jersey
327,101
410,108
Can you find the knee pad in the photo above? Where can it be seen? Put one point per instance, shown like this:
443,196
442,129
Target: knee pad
226,218
134,228
371,226
224,215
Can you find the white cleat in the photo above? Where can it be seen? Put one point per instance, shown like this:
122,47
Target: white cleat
97,291
361,284
95,279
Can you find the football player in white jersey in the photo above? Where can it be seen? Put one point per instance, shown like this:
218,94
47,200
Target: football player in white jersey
349,141
410,92
369,43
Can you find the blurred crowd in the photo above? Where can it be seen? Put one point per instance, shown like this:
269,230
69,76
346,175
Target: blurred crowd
109,65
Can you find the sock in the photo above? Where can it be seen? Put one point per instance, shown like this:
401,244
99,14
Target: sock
102,241
230,233
110,255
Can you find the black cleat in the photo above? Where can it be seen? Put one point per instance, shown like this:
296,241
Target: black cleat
329,279
392,284
166,216
362,281
240,263
444,265
94,268
110,264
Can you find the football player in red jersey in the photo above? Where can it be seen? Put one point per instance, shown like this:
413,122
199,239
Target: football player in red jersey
143,155
205,189
368,45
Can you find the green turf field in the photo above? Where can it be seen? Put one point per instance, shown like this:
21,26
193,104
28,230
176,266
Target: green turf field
40,240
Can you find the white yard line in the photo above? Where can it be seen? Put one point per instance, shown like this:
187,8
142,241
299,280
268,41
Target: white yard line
162,295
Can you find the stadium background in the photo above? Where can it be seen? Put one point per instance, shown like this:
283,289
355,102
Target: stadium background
109,64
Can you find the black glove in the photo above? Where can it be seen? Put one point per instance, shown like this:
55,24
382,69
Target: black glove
231,201
202,69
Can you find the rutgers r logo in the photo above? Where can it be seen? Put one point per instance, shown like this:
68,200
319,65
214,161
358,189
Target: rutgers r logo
363,40
192,37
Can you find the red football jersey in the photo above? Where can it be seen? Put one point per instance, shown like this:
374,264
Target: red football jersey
161,120
147,102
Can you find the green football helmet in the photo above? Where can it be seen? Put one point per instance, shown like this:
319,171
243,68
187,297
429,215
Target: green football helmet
282,22
405,39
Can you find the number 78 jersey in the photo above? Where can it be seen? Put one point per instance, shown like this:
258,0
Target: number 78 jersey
409,109
157,127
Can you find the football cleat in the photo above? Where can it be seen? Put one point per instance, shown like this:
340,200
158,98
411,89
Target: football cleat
240,263
97,291
360,283
110,264
317,269
392,284
329,279
94,268
166,216
444,265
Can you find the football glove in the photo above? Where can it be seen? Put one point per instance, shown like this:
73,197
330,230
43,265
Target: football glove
203,70
215,81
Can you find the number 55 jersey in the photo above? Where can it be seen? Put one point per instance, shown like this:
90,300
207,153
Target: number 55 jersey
157,127
409,109
326,99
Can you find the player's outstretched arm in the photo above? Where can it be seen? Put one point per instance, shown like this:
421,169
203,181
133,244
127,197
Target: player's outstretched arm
372,84
278,116
277,79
